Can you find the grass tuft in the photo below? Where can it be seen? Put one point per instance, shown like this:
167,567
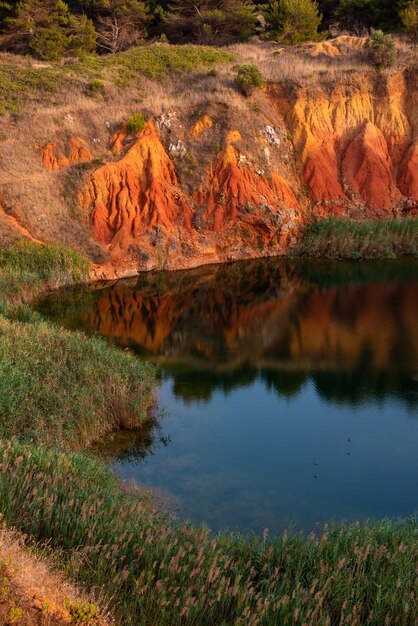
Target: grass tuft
27,267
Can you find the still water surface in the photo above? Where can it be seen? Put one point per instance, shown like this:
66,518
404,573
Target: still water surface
291,389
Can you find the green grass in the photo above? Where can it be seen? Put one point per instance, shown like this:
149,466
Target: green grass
63,387
58,386
21,83
153,61
160,574
26,268
339,238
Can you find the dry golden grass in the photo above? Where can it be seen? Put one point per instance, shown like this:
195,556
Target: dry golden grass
33,594
294,63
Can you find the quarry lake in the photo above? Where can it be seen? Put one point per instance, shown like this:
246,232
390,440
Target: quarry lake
289,389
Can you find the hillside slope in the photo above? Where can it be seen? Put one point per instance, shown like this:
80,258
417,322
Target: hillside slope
213,176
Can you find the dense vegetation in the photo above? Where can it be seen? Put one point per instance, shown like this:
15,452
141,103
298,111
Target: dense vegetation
348,239
161,574
50,29
60,387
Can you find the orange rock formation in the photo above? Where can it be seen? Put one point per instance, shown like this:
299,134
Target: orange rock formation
231,186
138,201
135,194
77,152
202,124
118,139
348,149
356,145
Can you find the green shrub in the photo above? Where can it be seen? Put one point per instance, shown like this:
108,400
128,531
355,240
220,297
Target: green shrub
382,50
136,124
409,19
96,86
248,78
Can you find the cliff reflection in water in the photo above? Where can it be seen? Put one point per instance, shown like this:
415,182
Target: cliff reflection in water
352,328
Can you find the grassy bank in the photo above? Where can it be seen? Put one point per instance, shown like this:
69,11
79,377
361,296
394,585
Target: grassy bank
57,386
65,388
160,574
28,268
339,238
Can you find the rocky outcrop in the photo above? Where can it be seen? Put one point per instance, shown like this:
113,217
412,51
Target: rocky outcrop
367,169
408,177
202,124
337,47
137,204
236,182
356,143
76,152
231,187
137,193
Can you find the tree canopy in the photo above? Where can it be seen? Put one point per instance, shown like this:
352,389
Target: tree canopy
50,29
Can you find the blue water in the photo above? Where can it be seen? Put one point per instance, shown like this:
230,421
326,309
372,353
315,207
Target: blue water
290,391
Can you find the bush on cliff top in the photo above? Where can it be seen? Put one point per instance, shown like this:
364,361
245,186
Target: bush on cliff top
249,78
382,50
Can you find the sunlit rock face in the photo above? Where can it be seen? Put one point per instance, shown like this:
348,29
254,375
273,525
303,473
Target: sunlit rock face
137,206
241,179
347,150
356,143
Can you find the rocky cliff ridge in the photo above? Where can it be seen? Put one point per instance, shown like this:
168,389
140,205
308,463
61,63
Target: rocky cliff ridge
229,182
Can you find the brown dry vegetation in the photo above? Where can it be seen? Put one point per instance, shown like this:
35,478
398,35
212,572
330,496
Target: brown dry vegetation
32,594
294,64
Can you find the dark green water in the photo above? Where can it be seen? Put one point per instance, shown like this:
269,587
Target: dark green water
291,389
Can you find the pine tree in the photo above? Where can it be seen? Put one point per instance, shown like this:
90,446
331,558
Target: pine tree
121,24
409,18
294,21
358,15
45,28
209,21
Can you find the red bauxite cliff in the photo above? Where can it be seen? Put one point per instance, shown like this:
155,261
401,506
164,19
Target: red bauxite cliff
225,183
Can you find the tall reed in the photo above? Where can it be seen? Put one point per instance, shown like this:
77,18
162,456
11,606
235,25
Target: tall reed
366,239
158,573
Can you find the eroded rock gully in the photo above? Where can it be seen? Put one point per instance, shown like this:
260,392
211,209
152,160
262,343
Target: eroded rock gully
192,190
